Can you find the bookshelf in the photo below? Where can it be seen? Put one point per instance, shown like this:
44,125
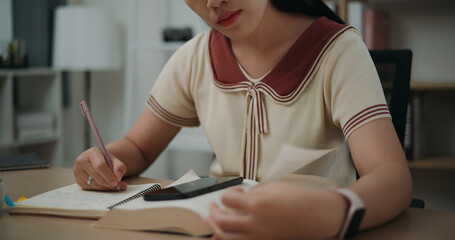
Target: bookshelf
419,91
434,163
37,89
432,87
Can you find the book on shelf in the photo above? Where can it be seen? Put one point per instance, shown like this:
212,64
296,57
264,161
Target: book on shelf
376,29
34,124
34,133
34,118
408,135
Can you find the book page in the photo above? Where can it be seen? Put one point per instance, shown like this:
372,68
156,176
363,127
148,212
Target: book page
73,197
291,158
188,177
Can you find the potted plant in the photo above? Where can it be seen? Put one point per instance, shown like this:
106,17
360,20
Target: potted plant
15,57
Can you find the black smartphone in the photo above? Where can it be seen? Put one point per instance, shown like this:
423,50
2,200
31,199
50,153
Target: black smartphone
193,188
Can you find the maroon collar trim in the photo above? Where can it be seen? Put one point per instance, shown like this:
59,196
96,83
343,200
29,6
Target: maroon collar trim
290,75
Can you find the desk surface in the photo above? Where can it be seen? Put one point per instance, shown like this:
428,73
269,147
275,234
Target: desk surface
412,224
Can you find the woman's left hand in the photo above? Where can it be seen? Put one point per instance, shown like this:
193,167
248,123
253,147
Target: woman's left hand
277,211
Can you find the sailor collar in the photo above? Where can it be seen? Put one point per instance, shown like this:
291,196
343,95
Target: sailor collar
289,77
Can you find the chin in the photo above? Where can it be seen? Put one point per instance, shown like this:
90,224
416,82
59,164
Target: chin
234,33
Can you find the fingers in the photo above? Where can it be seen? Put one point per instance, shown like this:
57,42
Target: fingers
92,163
123,186
119,168
235,199
229,220
101,169
82,181
226,225
94,185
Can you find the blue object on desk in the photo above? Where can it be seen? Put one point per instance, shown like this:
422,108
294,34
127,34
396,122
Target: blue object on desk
9,202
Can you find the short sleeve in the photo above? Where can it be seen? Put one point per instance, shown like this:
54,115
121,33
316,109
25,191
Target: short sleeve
353,89
171,98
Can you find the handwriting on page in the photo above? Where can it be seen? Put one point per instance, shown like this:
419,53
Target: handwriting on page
73,197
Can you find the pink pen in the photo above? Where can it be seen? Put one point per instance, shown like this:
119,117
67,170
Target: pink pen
88,115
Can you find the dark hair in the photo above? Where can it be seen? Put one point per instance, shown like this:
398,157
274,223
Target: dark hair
314,8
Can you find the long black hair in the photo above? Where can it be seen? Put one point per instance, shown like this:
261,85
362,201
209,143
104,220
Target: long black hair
314,8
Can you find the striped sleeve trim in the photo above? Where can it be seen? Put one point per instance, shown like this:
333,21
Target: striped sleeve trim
364,116
169,117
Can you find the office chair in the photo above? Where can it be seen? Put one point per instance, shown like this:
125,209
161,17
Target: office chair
394,69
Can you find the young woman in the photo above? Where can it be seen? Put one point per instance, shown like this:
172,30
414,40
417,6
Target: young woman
272,72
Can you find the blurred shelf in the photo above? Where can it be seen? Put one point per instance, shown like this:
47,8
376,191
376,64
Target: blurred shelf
342,5
434,163
424,86
27,72
24,143
37,89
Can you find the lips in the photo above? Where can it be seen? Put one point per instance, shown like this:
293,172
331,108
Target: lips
228,18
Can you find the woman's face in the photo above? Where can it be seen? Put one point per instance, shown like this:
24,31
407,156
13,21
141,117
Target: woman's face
236,19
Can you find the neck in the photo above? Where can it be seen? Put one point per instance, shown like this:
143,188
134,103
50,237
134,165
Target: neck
276,29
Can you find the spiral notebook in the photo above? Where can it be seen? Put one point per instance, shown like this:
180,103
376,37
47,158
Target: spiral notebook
72,201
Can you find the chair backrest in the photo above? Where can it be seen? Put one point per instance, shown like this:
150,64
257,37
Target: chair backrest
394,69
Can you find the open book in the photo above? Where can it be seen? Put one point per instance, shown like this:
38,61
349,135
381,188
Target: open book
182,216
187,215
129,211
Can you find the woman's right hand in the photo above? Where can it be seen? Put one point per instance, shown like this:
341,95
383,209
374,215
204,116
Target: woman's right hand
91,163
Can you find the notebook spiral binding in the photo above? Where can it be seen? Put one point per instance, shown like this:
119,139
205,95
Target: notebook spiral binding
151,189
